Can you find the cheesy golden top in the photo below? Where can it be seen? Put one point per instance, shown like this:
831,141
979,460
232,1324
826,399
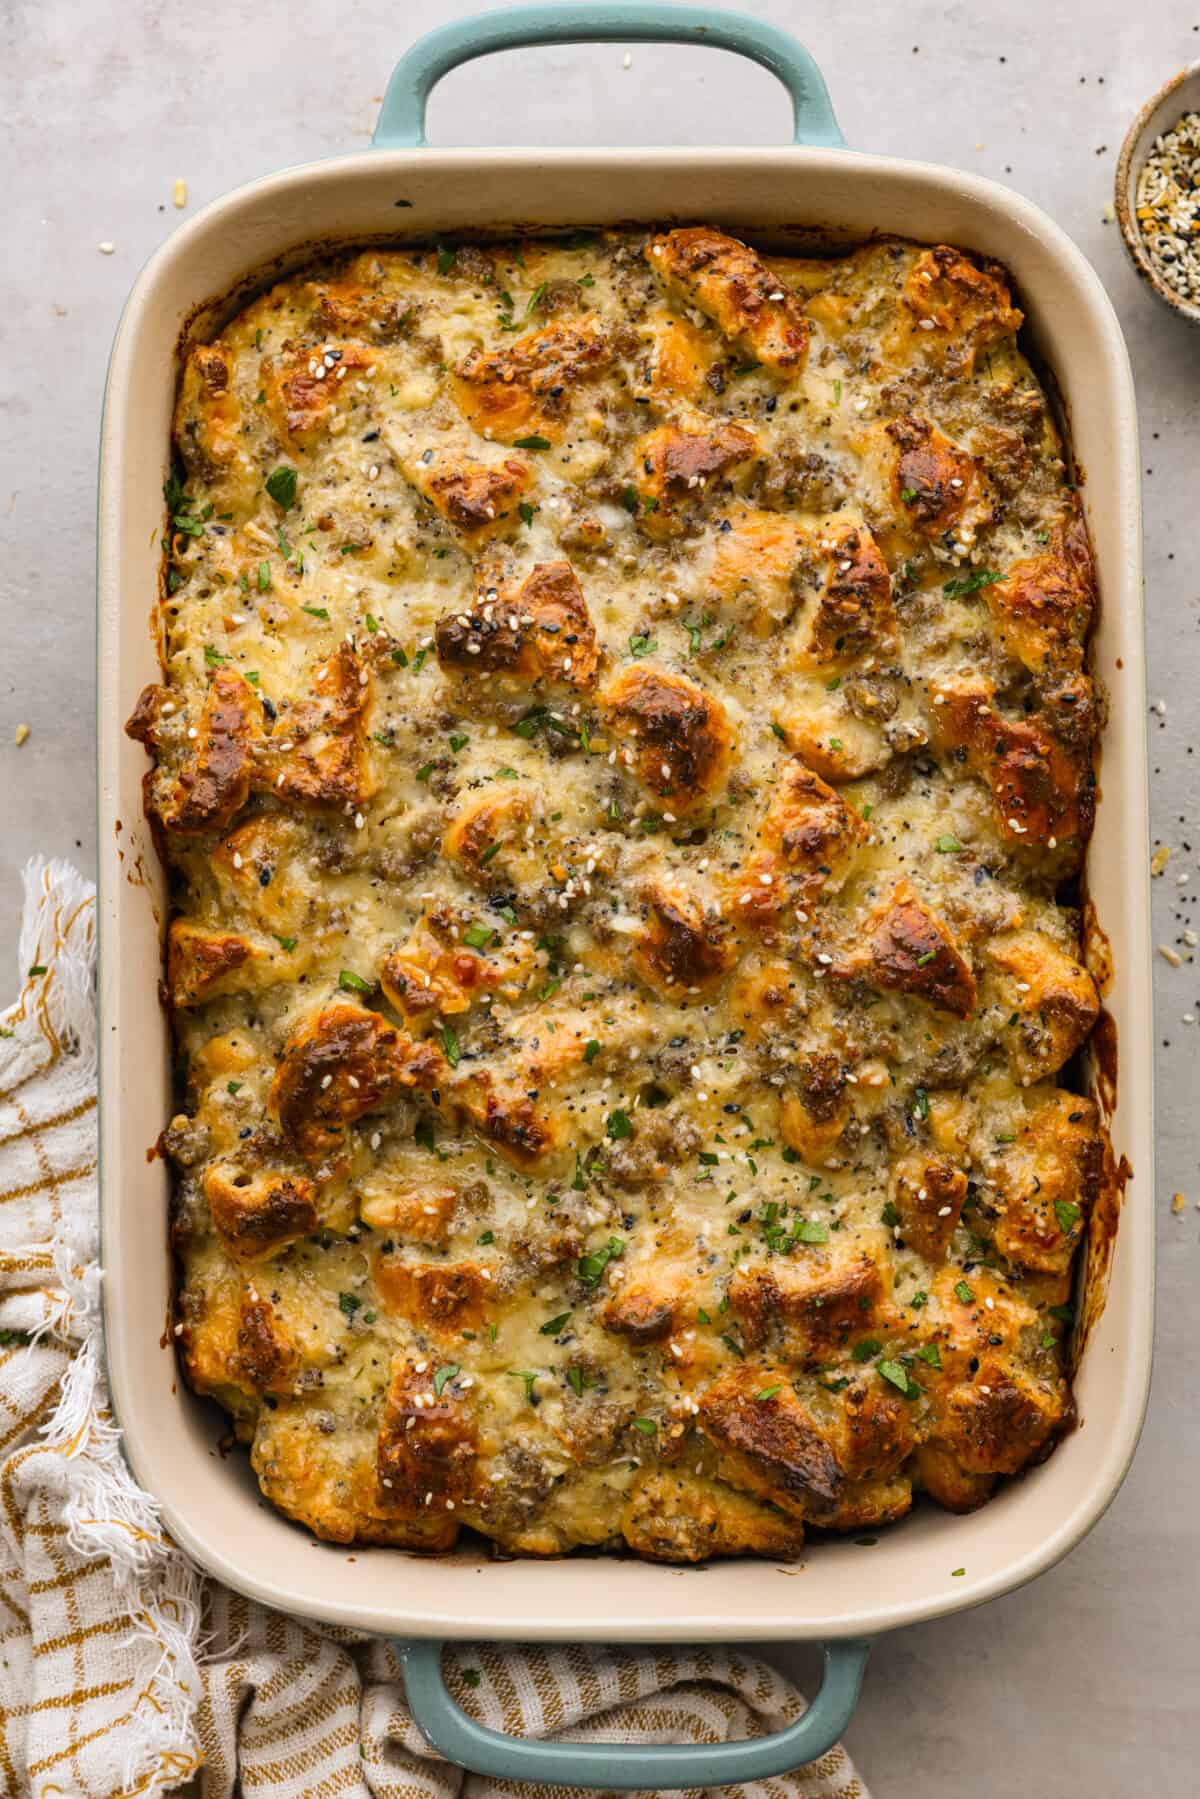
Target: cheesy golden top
623,743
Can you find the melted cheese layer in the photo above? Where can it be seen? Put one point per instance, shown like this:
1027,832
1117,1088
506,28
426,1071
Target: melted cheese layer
623,738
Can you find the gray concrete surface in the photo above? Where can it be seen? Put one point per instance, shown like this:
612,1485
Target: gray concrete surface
1087,1682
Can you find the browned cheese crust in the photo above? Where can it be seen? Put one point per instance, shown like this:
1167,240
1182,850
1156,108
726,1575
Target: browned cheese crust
624,749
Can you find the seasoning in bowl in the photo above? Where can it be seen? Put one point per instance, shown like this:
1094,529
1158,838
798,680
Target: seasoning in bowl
1168,206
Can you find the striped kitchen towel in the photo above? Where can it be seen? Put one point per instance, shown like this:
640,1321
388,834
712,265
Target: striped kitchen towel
125,1671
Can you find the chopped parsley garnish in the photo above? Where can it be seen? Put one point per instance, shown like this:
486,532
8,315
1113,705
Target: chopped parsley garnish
867,1349
486,1237
928,956
264,576
769,1393
287,943
576,1378
921,1103
350,982
442,1375
553,1326
425,770
897,1374
349,1303
591,1049
978,577
647,1426
316,611
590,1267
810,1230
640,645
281,485
493,849
234,1086
213,657
459,742
617,1125
526,511
450,1045
948,846
478,936
963,1292
423,1133
471,1676
528,1375
445,259
372,622
1067,1215
533,442
630,501
929,1352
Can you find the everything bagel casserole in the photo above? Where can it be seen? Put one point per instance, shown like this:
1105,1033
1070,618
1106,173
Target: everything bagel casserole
623,760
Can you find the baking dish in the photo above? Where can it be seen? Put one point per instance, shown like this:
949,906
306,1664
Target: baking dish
932,1563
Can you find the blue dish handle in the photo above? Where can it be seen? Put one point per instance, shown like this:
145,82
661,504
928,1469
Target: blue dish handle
402,119
630,1767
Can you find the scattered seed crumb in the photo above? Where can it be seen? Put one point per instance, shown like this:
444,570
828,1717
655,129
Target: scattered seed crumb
1160,858
1109,213
1170,955
627,60
1178,1202
106,249
20,734
179,194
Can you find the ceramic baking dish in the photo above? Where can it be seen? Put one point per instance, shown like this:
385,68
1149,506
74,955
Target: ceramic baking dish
931,1563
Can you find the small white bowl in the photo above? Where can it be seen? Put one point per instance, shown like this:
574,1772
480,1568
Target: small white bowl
1161,113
